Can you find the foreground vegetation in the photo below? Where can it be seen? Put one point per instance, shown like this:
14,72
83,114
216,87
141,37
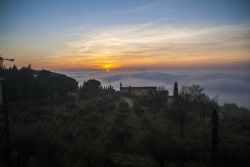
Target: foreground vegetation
102,129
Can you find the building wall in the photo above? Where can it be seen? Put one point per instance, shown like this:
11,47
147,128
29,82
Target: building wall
124,90
141,92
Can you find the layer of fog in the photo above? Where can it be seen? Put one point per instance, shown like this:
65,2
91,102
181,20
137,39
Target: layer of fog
228,85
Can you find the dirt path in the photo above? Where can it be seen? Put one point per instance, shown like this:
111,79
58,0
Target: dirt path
129,101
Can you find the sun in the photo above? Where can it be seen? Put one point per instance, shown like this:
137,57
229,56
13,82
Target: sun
107,67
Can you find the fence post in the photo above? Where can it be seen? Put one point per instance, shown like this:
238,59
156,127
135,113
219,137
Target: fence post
215,122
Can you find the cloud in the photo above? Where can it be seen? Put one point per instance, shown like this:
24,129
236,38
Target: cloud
138,8
154,76
113,78
228,86
160,76
146,7
159,45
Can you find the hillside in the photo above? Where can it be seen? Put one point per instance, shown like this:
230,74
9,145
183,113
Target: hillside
106,128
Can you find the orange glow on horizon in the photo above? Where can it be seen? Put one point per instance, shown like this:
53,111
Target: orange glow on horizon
107,67
140,46
172,60
150,62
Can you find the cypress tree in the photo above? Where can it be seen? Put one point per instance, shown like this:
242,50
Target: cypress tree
175,90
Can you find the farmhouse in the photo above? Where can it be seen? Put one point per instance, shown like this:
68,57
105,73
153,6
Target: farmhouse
138,91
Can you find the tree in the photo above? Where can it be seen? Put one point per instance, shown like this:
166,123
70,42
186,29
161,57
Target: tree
90,88
28,84
175,90
92,85
215,121
195,99
193,94
124,107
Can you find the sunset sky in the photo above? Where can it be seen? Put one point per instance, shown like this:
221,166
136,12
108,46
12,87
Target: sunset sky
123,34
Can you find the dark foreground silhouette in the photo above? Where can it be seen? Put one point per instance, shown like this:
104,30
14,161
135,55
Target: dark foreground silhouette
51,122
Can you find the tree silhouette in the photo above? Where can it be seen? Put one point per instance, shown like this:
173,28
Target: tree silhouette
29,84
215,121
175,90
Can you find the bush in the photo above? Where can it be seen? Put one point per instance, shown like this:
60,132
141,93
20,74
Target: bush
124,107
